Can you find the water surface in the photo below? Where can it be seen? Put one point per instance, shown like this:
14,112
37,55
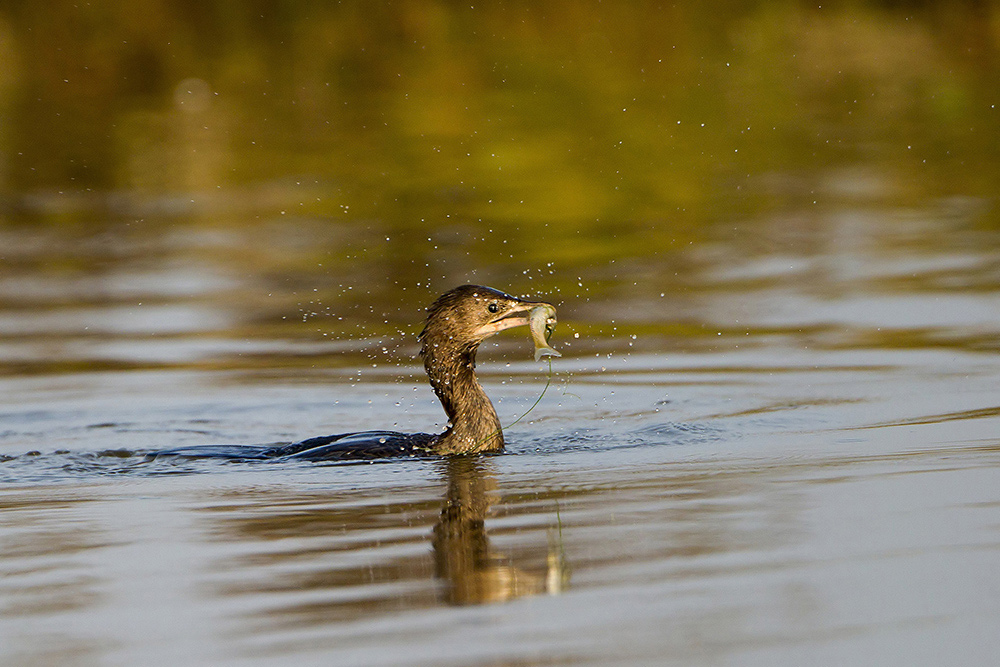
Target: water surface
772,237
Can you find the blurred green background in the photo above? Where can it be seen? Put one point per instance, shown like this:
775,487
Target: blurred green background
353,159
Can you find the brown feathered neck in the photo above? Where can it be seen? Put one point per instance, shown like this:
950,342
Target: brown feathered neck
457,322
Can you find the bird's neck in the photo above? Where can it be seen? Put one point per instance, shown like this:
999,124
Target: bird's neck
473,425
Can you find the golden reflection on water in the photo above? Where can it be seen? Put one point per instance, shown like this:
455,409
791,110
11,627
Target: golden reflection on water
624,123
308,168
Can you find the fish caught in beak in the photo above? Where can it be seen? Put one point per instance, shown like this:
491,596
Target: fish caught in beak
539,316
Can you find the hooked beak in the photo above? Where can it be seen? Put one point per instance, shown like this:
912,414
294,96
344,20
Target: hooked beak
519,315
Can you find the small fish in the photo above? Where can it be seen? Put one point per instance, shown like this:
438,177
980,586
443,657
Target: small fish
541,322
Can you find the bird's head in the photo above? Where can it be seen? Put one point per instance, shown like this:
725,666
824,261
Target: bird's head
464,317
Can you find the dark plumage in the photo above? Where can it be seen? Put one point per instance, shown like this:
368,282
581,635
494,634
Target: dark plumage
457,322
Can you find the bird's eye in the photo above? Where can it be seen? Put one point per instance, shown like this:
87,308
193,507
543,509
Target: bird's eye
493,307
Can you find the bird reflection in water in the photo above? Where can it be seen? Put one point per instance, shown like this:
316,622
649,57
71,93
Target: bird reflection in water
463,560
311,559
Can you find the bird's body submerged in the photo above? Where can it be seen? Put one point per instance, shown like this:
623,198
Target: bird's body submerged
341,446
457,322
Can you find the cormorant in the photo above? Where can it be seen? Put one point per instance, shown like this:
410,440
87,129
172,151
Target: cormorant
457,322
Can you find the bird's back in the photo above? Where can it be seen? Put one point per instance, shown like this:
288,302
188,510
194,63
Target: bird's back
366,445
